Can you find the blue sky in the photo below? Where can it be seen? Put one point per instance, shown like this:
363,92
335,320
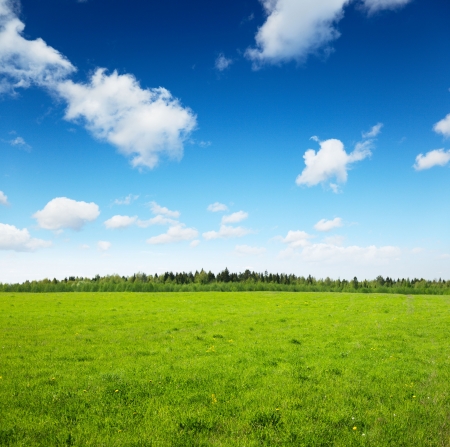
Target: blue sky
285,135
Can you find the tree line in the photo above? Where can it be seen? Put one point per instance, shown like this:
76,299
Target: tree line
227,281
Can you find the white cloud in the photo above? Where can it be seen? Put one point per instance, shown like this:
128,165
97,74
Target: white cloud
222,62
177,233
104,245
443,126
235,217
11,238
328,225
374,132
296,239
85,247
157,220
378,5
246,250
438,157
331,161
143,124
295,29
127,200
226,232
194,243
62,213
216,207
25,62
119,222
3,199
157,209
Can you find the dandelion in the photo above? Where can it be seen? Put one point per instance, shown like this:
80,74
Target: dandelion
213,398
354,428
116,391
414,397
363,434
84,391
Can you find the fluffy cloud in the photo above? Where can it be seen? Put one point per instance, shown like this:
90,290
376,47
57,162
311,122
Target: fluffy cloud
328,225
194,243
438,157
235,217
11,238
294,29
216,207
177,233
443,126
226,232
246,250
25,62
104,245
331,161
222,62
142,123
296,239
157,209
119,222
63,213
3,199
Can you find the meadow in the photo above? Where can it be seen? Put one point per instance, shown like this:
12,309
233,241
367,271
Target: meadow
224,369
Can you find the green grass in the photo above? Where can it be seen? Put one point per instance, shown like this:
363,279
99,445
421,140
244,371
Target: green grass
224,369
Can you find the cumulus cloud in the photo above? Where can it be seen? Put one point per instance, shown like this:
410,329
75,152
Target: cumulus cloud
104,245
226,232
62,212
296,239
26,62
216,207
331,161
127,200
11,238
177,233
235,217
438,157
443,126
157,209
247,250
222,62
374,132
295,29
328,225
120,222
3,199
143,124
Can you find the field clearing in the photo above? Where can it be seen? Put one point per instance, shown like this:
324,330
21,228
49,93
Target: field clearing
224,369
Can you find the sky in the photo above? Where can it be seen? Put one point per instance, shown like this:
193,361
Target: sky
293,136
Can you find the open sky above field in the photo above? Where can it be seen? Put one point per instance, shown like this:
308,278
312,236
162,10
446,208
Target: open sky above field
296,136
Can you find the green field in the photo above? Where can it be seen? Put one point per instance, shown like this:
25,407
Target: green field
224,369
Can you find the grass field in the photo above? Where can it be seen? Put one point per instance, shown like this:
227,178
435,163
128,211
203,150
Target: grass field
224,369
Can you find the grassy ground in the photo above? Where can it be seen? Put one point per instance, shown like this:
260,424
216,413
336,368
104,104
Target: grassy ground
224,369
